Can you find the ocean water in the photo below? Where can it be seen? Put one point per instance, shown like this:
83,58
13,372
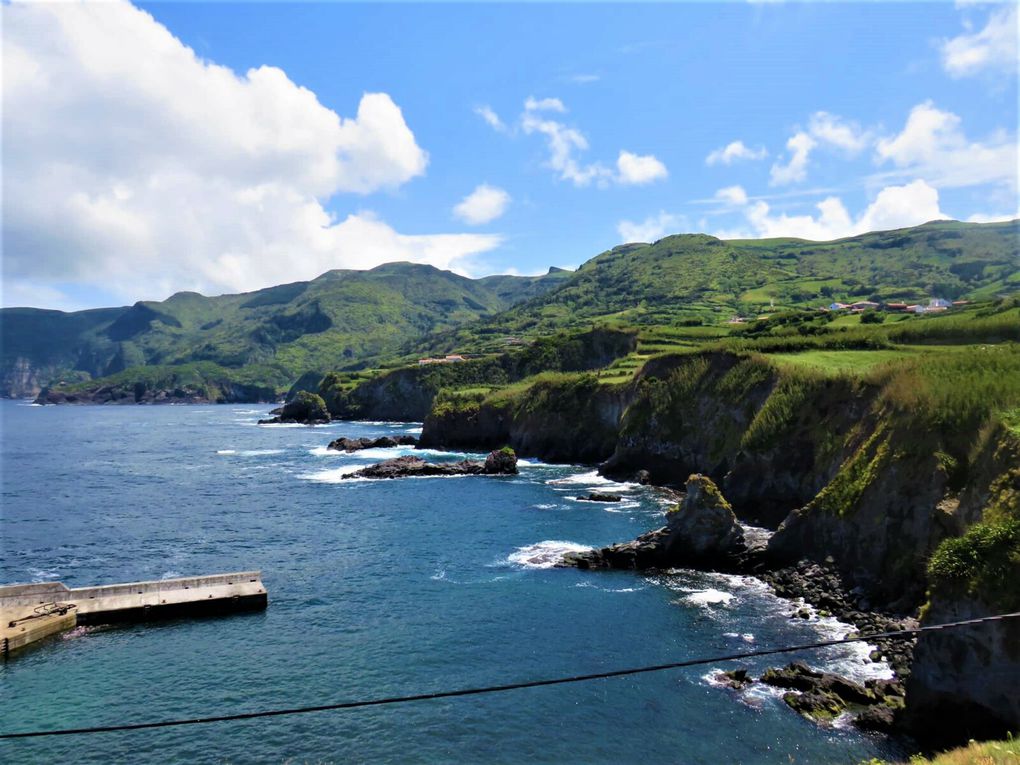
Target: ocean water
376,589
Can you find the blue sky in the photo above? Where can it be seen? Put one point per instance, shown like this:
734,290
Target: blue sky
184,175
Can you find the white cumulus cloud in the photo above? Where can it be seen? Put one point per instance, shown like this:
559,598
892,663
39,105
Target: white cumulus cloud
132,164
651,228
824,129
994,48
933,145
483,205
636,170
893,207
734,151
733,196
795,168
835,131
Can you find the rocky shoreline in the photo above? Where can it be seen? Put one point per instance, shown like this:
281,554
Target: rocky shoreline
703,533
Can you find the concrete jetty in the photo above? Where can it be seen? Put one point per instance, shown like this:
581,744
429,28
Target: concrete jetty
30,612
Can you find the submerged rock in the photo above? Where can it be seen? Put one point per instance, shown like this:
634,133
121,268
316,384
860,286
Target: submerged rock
737,679
348,445
497,463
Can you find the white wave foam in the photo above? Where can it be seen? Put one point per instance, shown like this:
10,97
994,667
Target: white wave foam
521,462
42,575
389,423
757,535
248,452
322,451
709,597
591,478
545,506
589,585
544,554
336,475
851,660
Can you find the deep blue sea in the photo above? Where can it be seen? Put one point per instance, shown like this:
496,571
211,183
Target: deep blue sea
376,589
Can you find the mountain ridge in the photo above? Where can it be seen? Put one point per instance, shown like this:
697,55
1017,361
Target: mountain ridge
348,319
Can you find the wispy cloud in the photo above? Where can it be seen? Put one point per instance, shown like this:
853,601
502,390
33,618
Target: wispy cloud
994,48
492,119
734,152
566,143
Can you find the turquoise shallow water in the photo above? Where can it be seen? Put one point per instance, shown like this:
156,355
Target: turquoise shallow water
376,589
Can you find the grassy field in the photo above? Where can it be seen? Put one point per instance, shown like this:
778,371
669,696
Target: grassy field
986,753
841,362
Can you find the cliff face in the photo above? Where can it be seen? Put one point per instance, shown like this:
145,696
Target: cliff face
828,459
963,682
574,422
218,392
408,394
770,441
22,380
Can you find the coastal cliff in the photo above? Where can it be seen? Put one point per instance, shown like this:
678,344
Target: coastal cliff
870,474
408,394
964,681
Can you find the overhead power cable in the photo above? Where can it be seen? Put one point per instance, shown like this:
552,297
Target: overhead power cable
478,691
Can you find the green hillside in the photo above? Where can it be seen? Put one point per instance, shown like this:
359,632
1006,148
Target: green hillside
340,319
697,278
678,292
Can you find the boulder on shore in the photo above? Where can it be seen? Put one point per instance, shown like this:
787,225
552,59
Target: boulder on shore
497,463
305,408
348,445
701,532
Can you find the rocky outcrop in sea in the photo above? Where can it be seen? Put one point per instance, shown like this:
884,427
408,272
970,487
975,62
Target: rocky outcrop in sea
305,409
349,445
498,462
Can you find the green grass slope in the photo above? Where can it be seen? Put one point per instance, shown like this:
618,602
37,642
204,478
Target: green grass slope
690,278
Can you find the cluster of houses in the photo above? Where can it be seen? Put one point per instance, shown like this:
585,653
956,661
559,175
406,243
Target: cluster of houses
935,304
452,359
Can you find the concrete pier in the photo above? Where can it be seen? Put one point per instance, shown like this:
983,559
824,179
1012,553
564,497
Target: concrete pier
23,607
